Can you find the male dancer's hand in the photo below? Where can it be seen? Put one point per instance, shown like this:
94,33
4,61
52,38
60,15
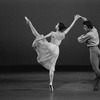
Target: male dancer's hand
84,19
77,16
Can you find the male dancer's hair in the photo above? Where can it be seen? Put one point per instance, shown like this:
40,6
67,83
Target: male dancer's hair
88,23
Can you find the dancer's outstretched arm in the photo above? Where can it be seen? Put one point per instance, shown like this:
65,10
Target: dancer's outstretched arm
31,27
46,36
75,19
84,38
83,18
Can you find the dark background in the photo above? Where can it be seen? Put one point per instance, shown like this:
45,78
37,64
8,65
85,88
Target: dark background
16,52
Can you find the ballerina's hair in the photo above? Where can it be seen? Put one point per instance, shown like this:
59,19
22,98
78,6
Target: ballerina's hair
61,27
88,23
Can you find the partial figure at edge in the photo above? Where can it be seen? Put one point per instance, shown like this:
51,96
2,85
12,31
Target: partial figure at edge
92,40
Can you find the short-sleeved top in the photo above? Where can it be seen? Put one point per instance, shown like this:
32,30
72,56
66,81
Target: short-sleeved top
91,38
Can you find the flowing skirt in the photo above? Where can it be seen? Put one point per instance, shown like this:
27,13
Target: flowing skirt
47,53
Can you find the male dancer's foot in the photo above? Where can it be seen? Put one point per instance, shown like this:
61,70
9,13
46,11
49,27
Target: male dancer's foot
96,83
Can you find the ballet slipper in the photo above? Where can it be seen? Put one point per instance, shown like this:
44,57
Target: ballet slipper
51,88
27,20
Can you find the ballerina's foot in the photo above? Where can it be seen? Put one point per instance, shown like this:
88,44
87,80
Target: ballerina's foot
51,88
27,20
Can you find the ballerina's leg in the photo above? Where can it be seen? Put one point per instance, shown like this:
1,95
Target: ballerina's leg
35,33
51,76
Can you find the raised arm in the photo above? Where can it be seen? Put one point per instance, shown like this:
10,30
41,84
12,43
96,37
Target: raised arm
31,27
75,19
48,35
83,18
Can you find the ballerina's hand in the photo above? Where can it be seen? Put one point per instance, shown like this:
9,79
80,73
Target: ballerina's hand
77,16
27,20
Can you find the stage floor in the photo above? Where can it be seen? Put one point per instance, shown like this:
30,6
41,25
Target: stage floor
34,86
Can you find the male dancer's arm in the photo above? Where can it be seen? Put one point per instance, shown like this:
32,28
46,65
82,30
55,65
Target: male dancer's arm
46,36
84,38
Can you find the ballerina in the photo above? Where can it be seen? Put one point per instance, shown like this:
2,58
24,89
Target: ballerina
92,40
48,52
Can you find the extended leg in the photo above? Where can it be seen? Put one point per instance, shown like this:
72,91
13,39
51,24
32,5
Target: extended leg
51,75
35,33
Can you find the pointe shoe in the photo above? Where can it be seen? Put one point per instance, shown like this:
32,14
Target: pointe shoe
51,88
27,20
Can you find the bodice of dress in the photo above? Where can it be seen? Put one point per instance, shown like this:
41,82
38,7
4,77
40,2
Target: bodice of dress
57,38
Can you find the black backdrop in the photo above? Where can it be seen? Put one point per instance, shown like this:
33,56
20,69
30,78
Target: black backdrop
16,37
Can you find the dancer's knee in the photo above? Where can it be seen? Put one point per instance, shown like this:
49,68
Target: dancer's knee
51,72
97,71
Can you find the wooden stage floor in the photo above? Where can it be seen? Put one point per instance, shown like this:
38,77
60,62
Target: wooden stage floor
34,86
